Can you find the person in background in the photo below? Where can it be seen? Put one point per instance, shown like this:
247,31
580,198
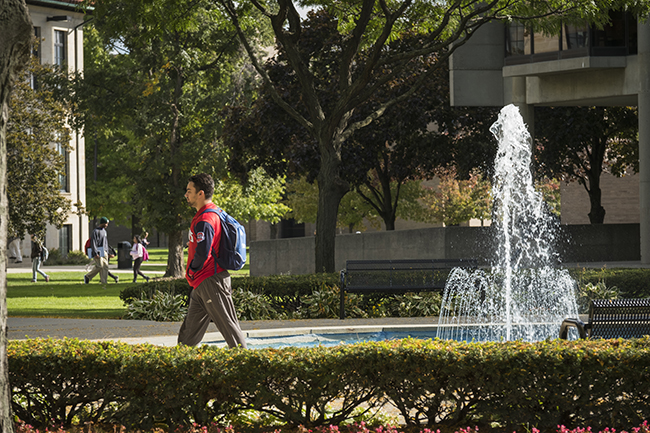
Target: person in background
88,252
15,251
137,252
37,258
211,296
99,252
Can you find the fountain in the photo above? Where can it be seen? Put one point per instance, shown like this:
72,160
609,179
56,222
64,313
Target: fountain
524,296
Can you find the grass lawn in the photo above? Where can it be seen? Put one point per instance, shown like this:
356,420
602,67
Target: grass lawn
66,296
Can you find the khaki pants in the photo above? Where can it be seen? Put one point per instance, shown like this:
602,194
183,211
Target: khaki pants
212,301
101,268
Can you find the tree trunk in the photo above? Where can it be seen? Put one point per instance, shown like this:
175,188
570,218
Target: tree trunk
597,212
389,211
136,229
596,158
175,265
331,189
15,37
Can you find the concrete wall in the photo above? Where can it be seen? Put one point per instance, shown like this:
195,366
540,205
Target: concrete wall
475,69
581,243
601,243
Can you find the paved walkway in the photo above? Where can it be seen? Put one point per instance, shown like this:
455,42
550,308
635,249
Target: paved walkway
165,333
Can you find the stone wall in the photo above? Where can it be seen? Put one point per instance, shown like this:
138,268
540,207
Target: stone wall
580,243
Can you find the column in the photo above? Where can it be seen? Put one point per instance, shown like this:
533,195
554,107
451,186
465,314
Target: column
644,139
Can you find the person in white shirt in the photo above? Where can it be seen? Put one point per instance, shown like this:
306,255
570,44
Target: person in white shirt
15,250
137,253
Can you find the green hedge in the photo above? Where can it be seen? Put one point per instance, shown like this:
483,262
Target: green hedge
317,296
173,286
517,385
287,288
631,283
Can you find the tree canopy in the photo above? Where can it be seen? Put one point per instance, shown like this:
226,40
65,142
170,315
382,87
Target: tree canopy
414,137
37,139
578,144
365,66
157,75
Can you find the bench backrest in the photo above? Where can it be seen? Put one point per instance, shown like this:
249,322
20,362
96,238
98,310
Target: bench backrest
400,275
619,318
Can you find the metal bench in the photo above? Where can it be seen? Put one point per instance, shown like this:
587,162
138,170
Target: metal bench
617,318
397,276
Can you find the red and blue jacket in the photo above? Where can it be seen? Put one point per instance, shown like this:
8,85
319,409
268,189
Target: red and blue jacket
205,236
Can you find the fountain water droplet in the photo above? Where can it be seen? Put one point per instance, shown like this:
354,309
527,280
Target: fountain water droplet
524,296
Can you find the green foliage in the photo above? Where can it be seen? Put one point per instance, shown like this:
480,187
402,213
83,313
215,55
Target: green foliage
72,258
255,306
170,286
322,303
455,201
591,291
162,307
155,79
284,297
550,190
417,304
302,198
329,108
35,168
631,283
431,383
578,144
258,200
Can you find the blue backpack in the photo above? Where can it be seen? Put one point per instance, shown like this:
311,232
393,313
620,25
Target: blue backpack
232,249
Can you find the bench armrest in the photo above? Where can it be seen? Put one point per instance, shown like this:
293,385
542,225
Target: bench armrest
579,324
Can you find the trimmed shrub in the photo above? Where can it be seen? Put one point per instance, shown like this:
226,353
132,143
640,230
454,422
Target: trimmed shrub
515,385
631,283
73,258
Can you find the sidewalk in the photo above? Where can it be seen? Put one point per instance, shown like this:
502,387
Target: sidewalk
26,267
165,333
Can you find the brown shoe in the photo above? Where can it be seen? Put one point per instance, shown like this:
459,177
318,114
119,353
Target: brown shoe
47,279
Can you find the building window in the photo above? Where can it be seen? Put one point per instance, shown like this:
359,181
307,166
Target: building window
65,240
515,34
64,174
575,37
618,38
60,47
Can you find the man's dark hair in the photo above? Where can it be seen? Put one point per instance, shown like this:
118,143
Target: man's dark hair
203,182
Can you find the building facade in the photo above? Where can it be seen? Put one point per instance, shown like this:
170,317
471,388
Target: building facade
582,66
59,27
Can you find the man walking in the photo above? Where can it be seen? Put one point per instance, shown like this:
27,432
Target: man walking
211,297
99,252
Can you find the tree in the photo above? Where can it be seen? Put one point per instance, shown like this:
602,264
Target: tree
365,28
406,144
15,37
160,102
456,201
302,199
34,165
580,143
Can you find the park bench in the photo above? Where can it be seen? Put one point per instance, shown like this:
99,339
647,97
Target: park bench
615,318
397,276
